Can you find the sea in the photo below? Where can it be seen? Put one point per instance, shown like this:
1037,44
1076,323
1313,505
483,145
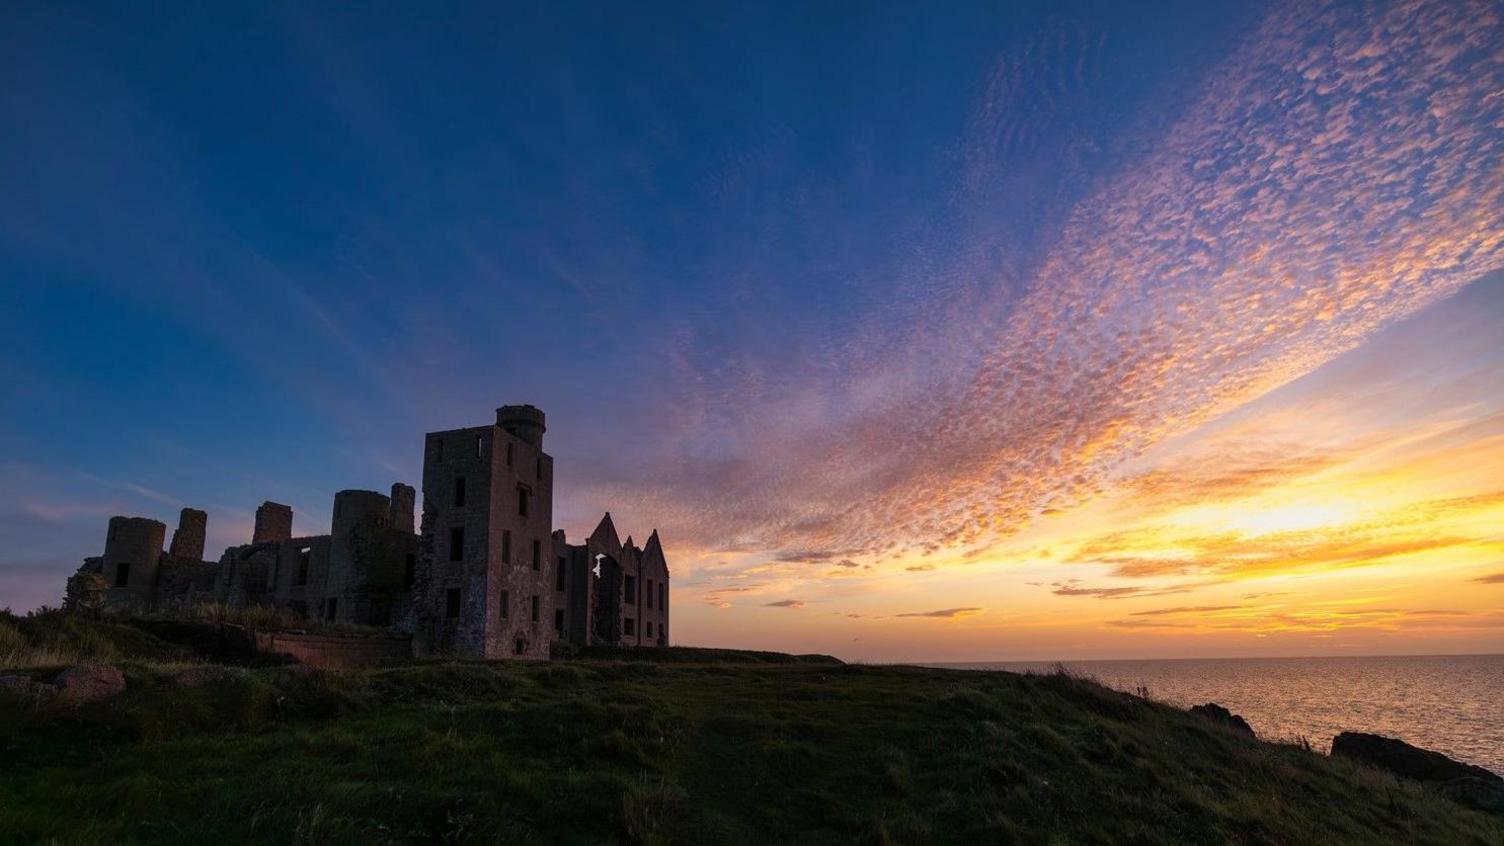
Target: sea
1453,704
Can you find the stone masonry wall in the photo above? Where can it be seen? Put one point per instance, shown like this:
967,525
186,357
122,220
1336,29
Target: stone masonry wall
188,540
132,549
332,651
273,523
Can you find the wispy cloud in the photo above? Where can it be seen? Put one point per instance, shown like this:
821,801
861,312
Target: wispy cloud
1319,620
1184,609
945,613
1491,579
1427,526
1072,587
785,603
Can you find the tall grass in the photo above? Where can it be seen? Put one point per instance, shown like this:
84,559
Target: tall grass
267,618
50,637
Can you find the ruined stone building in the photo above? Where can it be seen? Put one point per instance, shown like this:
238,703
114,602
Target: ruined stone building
361,572
487,575
496,580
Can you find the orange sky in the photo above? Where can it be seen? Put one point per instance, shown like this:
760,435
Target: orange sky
1356,510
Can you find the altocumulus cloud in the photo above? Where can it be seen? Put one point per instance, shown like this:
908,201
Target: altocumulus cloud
1341,169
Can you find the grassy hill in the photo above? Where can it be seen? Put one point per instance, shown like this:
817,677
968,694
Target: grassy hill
696,748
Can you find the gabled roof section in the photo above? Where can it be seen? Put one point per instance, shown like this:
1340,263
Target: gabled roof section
652,553
605,538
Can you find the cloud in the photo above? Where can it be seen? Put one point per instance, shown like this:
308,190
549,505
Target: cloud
1072,588
1491,579
920,568
1325,620
1100,593
785,603
945,613
815,556
1252,470
1149,624
1185,609
1340,170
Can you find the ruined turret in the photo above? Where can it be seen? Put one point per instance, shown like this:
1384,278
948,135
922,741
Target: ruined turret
523,421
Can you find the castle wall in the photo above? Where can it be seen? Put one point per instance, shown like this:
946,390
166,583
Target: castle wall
273,523
522,471
456,596
653,595
335,650
577,598
188,540
301,574
246,574
132,550
402,499
356,552
183,583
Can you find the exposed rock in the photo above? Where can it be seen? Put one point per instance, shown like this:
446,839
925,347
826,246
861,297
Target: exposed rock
195,676
1464,782
89,683
1216,713
24,688
1402,759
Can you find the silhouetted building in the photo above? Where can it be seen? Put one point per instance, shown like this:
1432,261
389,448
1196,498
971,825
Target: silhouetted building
494,578
486,576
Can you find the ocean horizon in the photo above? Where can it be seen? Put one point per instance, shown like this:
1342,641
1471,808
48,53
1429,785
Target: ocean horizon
1453,704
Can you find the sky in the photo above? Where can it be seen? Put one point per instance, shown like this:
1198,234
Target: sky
972,332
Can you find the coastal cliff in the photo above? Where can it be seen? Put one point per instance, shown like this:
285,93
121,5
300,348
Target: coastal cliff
693,747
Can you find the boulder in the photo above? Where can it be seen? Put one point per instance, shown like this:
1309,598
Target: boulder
1466,783
1217,714
1402,759
25,689
195,676
89,683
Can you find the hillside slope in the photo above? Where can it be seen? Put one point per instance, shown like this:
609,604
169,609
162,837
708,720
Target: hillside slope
601,751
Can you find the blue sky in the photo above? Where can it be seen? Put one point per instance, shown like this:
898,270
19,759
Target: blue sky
840,280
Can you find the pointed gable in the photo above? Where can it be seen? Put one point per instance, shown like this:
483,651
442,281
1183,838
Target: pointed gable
605,539
652,554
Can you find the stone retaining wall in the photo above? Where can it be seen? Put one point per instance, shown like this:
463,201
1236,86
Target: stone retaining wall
335,650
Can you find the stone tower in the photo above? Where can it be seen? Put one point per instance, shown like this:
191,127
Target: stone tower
355,539
486,583
188,540
132,551
403,497
273,523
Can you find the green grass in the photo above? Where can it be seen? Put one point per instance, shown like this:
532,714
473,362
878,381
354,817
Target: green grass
52,638
603,751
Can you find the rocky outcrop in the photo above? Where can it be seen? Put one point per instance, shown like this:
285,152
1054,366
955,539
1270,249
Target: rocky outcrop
1217,714
196,676
1464,782
70,688
88,683
25,689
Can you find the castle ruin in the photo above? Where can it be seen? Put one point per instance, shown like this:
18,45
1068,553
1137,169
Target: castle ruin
485,575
